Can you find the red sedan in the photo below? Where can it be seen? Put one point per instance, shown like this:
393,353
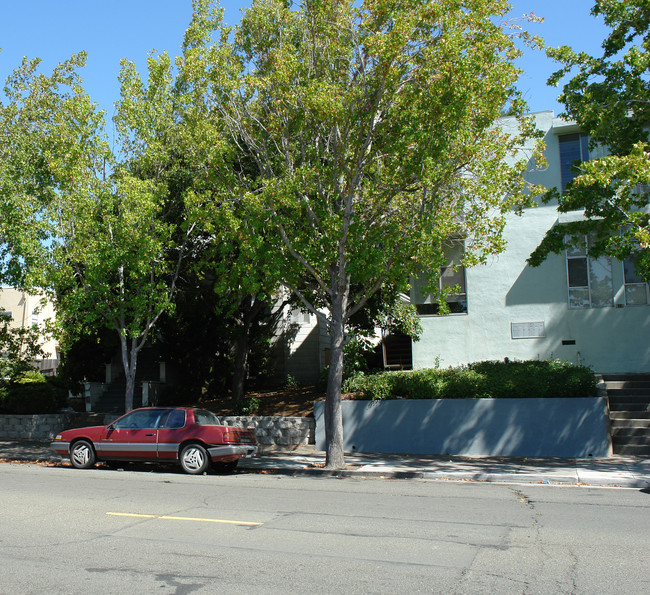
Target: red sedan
193,437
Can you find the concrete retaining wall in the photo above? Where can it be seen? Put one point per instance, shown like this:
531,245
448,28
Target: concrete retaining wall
474,427
271,432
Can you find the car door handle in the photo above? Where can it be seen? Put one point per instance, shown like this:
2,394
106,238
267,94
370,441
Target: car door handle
148,434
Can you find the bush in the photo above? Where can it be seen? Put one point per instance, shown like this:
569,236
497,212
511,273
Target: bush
541,379
32,393
247,406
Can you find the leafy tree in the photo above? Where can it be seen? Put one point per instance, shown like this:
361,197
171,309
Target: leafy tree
370,131
19,347
90,225
609,97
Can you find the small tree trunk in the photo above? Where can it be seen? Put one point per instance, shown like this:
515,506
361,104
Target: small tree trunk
129,362
333,414
241,364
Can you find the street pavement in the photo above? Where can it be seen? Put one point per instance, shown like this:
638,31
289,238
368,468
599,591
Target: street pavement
621,472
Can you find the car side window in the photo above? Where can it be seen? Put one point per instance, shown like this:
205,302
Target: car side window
175,419
139,420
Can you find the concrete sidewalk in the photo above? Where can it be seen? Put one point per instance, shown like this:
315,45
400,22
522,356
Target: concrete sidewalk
622,472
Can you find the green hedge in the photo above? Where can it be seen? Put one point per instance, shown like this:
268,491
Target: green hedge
493,380
32,394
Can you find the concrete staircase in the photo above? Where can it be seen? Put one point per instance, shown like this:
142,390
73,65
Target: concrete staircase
629,413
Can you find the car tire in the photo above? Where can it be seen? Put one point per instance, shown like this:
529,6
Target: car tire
194,459
82,455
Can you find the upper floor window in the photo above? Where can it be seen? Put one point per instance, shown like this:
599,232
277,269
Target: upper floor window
573,148
451,284
636,289
589,278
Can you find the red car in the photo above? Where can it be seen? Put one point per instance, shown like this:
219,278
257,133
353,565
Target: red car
193,437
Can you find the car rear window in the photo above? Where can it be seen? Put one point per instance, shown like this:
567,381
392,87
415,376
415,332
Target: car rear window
206,418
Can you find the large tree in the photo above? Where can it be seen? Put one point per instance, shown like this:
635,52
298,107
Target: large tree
91,225
370,130
609,97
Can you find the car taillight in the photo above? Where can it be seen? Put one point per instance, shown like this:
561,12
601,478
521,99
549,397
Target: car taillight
238,437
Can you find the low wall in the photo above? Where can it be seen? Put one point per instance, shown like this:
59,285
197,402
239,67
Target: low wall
271,432
474,427
46,427
280,433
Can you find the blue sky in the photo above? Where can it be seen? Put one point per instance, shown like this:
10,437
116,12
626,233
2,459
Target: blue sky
108,31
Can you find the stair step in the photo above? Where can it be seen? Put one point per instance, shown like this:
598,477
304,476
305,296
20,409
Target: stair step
642,439
625,377
630,432
633,393
628,415
619,425
629,407
636,385
631,449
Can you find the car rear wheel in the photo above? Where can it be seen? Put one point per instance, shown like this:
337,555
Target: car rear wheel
82,455
194,459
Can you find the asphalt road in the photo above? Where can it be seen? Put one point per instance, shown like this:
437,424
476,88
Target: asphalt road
102,531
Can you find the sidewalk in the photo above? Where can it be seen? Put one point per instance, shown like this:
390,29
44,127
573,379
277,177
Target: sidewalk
622,472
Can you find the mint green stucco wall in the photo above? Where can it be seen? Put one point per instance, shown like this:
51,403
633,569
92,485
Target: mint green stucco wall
506,290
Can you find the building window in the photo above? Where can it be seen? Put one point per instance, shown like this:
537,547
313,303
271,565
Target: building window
589,279
34,317
636,289
573,148
6,314
451,284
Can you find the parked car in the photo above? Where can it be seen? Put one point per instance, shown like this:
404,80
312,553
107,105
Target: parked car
192,437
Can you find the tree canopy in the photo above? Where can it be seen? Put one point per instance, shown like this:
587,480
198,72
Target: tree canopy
370,138
609,98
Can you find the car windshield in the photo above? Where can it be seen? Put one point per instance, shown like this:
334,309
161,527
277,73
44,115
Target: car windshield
206,418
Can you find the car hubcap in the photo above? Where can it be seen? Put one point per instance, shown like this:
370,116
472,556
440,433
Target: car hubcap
81,455
193,459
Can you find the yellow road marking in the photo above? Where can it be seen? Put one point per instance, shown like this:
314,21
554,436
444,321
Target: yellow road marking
183,518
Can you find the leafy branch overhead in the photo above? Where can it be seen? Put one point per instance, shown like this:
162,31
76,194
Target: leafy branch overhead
609,97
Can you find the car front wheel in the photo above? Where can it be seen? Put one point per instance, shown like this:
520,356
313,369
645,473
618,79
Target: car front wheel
82,455
194,459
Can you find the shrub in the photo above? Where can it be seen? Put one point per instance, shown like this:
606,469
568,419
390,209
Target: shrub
32,393
488,379
247,406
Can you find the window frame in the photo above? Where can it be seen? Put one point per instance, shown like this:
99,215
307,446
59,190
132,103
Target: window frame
581,252
457,301
566,169
640,283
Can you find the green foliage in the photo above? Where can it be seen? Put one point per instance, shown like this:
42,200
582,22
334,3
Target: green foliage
19,347
528,379
609,97
247,406
32,393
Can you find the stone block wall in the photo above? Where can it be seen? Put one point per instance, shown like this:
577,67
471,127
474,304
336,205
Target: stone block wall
281,433
47,426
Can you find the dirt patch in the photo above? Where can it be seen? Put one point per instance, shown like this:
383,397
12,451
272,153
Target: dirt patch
288,402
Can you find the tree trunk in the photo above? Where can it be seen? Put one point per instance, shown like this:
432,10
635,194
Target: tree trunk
129,362
241,363
333,415
249,308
